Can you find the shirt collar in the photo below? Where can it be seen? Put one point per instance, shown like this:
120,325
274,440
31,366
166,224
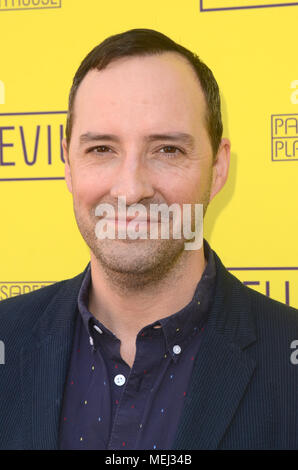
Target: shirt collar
177,328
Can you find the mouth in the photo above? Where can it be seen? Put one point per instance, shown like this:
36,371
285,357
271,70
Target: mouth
129,219
142,223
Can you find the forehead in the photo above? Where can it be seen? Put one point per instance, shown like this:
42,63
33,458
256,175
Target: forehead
142,91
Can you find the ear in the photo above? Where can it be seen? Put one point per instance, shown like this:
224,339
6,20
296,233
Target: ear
67,171
220,167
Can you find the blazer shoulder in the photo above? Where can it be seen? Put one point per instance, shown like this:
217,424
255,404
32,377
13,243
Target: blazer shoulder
25,309
27,300
267,309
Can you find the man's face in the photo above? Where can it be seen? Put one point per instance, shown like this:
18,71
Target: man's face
139,131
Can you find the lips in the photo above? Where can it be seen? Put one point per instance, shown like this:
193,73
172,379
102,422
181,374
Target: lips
128,219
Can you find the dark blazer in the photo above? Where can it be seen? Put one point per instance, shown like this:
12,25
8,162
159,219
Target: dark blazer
243,392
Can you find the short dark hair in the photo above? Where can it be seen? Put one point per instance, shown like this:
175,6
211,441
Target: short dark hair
142,42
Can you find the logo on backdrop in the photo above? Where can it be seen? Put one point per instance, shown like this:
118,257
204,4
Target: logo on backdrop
222,5
279,283
10,5
2,93
294,94
31,146
284,137
12,289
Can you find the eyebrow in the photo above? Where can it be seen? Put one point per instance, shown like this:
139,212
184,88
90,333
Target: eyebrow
188,139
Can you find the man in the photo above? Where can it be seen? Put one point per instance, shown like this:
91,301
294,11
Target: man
153,346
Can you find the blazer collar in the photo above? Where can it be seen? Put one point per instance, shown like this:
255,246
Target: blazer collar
223,367
44,364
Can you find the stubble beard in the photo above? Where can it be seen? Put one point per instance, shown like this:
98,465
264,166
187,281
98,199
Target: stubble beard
135,264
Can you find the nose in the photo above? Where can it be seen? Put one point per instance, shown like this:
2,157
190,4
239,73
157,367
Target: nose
132,181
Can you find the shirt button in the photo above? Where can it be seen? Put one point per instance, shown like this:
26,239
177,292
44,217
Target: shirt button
97,329
91,340
119,380
177,349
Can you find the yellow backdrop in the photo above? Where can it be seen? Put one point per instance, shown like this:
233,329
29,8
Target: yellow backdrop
252,224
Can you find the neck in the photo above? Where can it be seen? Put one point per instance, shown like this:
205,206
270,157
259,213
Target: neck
125,311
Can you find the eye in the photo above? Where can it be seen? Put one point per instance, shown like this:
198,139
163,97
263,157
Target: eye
99,149
171,151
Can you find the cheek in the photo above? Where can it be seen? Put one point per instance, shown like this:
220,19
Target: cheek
200,183
187,188
89,186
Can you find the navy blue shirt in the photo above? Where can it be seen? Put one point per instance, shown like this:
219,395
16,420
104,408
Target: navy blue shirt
109,406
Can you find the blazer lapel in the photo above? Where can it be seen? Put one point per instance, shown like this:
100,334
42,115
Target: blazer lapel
44,367
222,370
